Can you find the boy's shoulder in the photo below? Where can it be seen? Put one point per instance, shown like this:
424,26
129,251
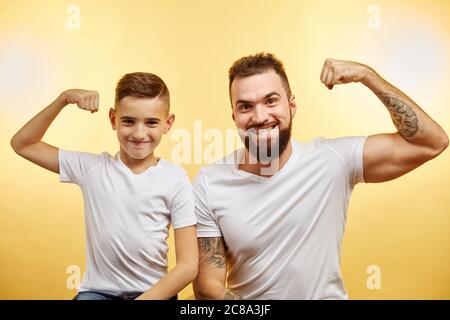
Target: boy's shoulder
171,168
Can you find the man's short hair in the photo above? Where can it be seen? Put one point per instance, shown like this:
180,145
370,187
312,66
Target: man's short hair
257,64
142,85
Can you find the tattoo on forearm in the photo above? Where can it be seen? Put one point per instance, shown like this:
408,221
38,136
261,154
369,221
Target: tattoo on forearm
403,116
229,295
212,252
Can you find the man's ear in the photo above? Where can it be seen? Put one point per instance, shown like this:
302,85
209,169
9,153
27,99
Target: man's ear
293,105
112,118
232,113
169,123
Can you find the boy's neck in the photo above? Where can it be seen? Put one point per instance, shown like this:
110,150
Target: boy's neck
138,165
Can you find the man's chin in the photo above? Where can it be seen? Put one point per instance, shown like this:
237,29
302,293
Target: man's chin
268,150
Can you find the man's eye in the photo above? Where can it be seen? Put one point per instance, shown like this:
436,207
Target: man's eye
271,101
127,121
152,123
244,107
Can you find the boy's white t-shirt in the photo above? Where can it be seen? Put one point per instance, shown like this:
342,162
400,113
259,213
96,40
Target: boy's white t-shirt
127,218
283,234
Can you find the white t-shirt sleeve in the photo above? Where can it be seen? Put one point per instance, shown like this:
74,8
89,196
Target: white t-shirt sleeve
74,165
350,150
182,209
207,225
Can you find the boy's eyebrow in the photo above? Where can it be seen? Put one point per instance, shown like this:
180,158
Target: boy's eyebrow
131,118
265,97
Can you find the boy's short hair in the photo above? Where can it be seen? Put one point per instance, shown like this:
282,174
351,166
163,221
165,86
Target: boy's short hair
142,85
257,64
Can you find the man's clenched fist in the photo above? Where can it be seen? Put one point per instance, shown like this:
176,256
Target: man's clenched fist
336,71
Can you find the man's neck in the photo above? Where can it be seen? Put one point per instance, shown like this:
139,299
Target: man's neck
266,169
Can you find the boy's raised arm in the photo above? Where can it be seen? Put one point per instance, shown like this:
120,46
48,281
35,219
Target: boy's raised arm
27,141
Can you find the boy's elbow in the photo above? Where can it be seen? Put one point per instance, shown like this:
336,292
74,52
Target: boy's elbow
190,270
15,145
193,270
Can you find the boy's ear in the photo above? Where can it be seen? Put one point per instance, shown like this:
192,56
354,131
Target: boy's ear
169,123
112,118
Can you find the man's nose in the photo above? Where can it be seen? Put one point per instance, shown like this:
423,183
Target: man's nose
260,115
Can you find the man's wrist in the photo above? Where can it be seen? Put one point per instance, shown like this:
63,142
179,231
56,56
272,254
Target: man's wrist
368,75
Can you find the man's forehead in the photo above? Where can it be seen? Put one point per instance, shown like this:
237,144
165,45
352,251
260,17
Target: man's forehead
256,87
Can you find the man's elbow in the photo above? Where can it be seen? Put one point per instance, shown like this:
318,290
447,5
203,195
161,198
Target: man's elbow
441,145
207,290
444,142
201,293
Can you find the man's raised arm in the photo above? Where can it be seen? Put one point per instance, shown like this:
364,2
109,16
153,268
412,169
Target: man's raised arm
389,155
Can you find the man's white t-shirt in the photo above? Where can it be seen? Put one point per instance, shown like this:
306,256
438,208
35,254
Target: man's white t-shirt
127,218
283,234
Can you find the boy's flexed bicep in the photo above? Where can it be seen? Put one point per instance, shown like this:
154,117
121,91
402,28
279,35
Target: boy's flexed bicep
42,154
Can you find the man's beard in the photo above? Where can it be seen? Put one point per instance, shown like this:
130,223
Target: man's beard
268,150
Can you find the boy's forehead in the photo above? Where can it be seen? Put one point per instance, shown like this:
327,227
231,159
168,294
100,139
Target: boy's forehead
142,107
257,86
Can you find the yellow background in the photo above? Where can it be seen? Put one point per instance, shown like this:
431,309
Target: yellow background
401,226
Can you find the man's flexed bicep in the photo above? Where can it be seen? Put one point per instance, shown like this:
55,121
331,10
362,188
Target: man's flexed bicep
389,155
212,273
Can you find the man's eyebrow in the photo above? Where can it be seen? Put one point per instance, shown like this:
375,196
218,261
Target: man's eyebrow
265,97
272,94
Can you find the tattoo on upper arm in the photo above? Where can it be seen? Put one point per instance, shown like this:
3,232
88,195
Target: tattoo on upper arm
212,252
403,116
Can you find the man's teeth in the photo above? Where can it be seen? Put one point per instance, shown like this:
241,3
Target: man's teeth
266,130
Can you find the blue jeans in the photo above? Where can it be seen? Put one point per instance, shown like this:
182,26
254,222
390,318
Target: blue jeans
94,295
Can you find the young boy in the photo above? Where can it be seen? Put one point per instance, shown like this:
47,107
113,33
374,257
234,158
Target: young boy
130,198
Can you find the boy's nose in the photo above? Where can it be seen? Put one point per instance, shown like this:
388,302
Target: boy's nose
139,132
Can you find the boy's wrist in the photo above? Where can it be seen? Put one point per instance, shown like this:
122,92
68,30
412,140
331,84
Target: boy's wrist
61,100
